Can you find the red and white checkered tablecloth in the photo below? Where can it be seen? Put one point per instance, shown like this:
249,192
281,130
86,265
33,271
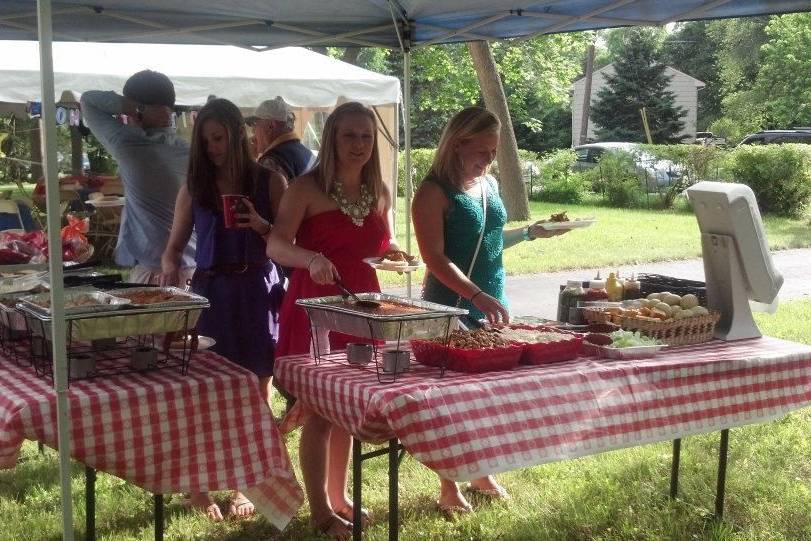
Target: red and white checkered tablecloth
465,426
165,432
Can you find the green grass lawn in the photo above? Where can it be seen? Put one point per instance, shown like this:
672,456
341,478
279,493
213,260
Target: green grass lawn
620,236
617,495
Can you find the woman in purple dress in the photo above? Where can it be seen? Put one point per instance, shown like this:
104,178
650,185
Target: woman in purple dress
233,271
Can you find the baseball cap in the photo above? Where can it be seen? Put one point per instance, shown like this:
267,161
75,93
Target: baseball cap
275,109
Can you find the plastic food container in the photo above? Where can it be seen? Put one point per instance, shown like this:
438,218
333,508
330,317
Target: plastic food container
565,349
634,352
431,353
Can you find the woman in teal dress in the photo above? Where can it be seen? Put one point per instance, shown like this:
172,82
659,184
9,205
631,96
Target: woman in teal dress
448,212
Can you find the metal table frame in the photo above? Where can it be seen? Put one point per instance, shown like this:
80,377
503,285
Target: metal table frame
395,452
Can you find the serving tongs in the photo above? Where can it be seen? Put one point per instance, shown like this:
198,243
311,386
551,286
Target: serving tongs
363,303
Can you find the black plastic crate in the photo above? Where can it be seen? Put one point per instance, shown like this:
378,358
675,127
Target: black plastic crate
657,283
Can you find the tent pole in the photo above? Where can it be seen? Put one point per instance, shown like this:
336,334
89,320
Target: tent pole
60,370
407,131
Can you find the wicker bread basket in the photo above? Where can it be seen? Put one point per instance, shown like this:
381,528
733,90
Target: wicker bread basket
679,332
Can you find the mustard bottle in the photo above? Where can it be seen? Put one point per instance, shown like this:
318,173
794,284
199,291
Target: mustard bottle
613,287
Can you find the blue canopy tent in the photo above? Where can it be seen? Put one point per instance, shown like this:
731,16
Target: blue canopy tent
265,24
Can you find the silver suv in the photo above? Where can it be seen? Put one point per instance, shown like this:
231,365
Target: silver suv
653,173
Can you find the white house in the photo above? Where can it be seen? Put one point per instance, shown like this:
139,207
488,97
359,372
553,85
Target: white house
682,85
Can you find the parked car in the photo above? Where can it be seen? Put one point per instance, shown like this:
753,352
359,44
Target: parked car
774,137
708,138
653,173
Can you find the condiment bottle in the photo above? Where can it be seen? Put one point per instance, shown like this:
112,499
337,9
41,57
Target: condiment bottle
567,301
596,291
613,287
632,289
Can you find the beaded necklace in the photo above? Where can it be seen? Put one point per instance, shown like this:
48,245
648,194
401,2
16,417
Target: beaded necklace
356,210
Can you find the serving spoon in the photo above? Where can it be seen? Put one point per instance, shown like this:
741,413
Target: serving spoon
358,301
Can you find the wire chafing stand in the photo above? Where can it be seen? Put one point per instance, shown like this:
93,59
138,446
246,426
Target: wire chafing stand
117,338
339,315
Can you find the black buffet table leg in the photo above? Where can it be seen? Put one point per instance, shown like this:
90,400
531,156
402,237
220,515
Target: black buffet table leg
395,452
722,474
394,504
90,503
674,469
158,517
357,463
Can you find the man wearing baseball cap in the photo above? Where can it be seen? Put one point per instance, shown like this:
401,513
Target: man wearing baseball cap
278,145
152,161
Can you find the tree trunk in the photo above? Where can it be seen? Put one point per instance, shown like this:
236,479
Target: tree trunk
511,181
351,55
584,119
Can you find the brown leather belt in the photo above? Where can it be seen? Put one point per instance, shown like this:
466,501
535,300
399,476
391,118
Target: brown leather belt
235,268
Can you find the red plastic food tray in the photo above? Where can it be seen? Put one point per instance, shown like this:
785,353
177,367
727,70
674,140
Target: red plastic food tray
550,352
432,353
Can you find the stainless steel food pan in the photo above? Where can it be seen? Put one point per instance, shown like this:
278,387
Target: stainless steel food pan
331,313
126,322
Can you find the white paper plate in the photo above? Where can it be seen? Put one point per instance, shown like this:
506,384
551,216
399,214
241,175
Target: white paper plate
203,343
571,224
101,203
377,263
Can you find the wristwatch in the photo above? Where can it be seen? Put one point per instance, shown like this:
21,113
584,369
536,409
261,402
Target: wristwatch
525,233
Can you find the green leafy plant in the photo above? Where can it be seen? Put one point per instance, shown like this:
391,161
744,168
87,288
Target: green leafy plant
780,176
559,184
421,159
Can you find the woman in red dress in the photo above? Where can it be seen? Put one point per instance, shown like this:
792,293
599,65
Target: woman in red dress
338,214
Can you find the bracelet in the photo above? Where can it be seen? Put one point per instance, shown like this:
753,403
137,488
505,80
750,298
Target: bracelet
525,234
267,231
313,259
476,294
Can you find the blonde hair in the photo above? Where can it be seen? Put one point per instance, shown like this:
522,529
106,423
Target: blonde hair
466,124
326,165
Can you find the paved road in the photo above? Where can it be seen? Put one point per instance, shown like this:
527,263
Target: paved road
537,294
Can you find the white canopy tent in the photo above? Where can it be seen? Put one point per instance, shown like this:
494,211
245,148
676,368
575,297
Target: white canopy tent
308,81
401,24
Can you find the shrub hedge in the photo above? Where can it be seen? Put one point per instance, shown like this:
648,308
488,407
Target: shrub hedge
779,175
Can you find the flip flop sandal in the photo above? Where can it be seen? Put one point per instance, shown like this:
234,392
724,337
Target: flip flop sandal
334,528
451,512
366,516
239,502
497,493
211,511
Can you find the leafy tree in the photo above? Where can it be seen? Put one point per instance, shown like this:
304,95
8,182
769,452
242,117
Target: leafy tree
615,41
738,58
638,81
783,82
692,50
738,50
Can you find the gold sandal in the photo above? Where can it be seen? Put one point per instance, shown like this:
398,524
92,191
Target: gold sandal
239,501
452,511
347,513
497,493
335,528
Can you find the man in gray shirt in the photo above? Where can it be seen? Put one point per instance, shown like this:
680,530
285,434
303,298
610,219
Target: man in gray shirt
152,162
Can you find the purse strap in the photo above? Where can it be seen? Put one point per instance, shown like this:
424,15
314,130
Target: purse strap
481,235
